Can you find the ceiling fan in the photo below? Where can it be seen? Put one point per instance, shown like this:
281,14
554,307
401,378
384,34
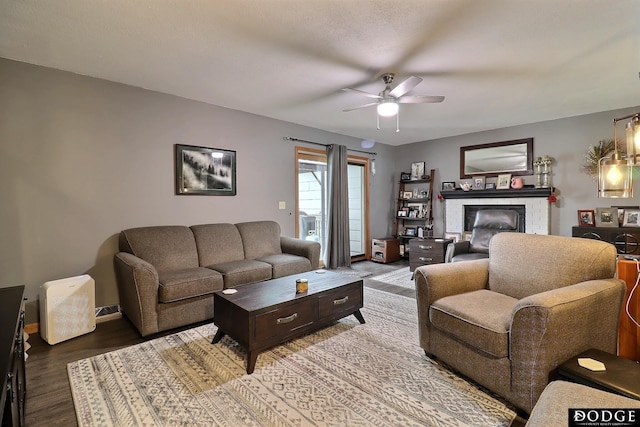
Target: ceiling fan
388,100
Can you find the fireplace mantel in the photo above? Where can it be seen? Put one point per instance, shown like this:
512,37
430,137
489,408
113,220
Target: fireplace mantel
537,207
486,194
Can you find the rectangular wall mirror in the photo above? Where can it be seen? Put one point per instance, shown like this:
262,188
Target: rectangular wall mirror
514,157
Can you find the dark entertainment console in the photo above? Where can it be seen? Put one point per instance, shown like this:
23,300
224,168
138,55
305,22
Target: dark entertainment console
625,239
12,356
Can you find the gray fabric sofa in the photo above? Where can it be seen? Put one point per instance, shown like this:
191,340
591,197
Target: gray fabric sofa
552,409
508,321
166,275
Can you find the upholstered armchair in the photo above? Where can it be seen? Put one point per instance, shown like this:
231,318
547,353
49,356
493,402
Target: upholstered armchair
508,321
488,222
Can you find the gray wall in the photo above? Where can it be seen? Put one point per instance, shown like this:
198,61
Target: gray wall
565,140
83,158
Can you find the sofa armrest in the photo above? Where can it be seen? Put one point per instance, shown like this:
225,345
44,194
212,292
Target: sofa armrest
435,281
138,291
553,326
456,248
305,248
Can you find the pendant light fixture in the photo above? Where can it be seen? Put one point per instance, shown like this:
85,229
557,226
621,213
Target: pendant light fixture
615,172
633,138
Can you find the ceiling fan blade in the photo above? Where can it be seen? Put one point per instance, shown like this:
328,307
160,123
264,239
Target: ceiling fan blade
361,92
360,106
420,99
405,86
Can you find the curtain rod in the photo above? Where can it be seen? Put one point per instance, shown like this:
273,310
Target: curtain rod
289,138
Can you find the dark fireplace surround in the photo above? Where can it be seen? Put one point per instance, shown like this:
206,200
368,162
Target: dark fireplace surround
470,214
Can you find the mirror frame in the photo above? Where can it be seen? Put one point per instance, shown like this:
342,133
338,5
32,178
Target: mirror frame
489,146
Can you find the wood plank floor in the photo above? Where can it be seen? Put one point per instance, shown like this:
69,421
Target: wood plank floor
49,401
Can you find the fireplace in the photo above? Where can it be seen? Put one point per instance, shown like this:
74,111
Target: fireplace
534,208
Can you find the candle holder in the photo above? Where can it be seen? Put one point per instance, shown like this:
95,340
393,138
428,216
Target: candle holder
543,171
546,172
538,164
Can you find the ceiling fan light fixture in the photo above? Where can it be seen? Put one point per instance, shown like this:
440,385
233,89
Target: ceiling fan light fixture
387,107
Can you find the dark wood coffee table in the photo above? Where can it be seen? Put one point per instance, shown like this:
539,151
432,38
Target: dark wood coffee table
262,315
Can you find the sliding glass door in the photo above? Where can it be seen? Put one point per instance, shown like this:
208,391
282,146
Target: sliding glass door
311,201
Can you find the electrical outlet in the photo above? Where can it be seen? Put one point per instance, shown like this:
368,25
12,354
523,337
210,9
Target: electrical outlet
282,205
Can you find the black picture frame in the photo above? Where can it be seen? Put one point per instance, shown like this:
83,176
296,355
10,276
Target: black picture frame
448,185
410,231
205,171
405,176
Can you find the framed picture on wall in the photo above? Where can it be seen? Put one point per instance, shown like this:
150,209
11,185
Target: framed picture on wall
606,217
586,218
205,171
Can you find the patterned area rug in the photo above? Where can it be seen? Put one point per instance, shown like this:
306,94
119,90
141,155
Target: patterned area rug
401,277
350,271
344,375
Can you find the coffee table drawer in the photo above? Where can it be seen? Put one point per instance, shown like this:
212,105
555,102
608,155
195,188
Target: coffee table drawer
282,320
340,302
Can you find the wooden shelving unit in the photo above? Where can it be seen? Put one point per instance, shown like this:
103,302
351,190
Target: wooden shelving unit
417,209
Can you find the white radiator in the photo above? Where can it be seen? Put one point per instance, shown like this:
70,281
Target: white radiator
67,308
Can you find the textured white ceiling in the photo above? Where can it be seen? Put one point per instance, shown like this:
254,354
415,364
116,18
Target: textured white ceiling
498,62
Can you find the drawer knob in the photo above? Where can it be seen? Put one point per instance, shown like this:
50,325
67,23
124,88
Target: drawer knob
425,259
287,319
341,300
425,247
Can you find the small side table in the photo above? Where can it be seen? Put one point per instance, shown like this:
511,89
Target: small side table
385,250
427,251
622,376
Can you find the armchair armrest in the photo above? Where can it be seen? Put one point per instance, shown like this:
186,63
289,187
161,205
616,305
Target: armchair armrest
306,248
138,290
435,281
550,327
456,248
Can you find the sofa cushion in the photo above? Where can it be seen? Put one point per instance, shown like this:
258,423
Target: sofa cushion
243,272
260,238
186,283
480,318
286,264
167,248
217,243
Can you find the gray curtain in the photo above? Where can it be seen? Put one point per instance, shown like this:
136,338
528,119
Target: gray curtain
338,252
